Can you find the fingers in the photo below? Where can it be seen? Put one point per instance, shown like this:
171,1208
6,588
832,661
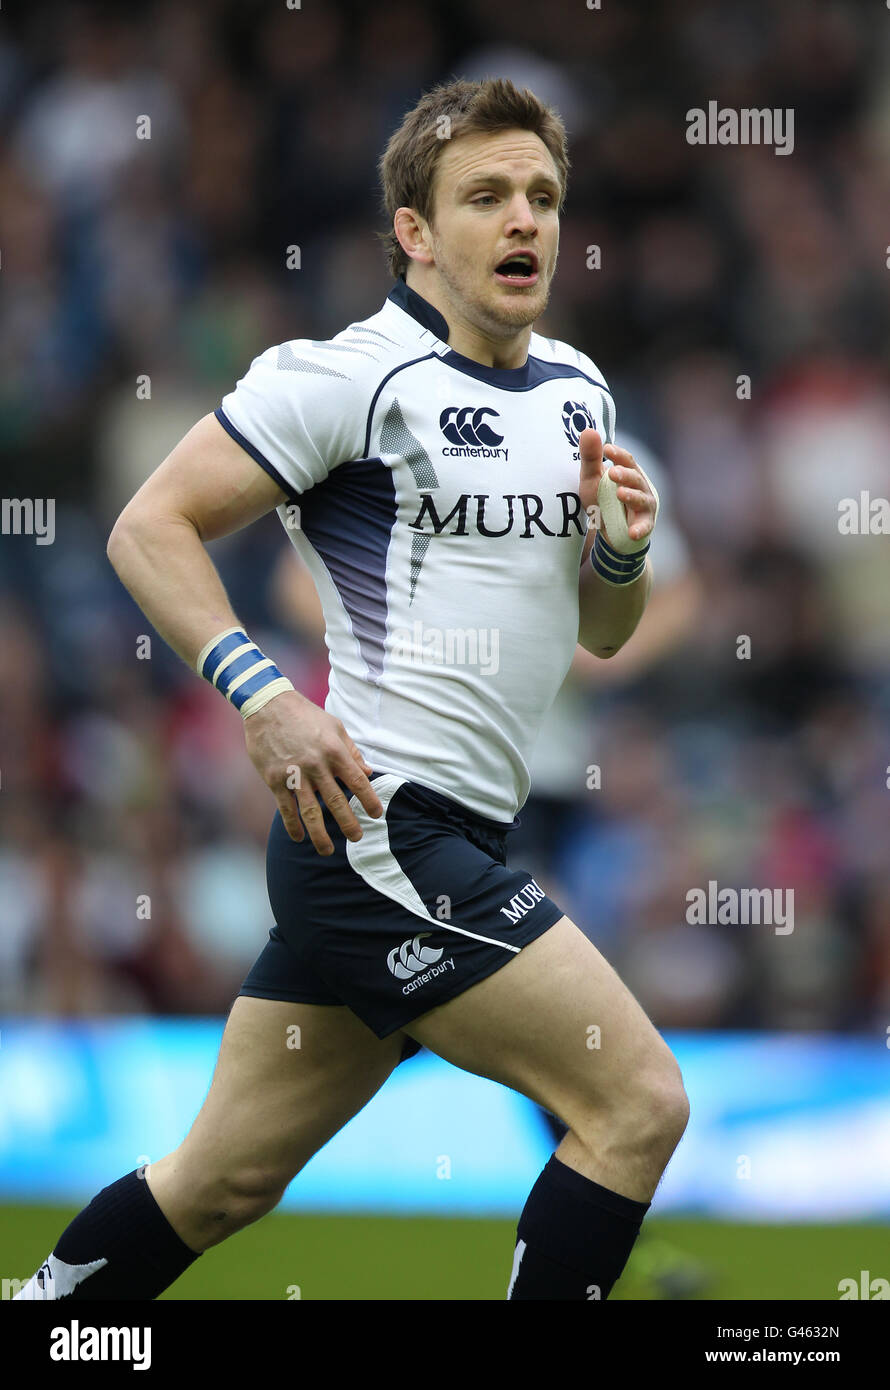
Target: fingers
313,817
355,751
358,783
621,456
639,509
638,501
638,530
590,448
338,759
633,486
623,468
303,808
339,807
354,771
288,808
629,474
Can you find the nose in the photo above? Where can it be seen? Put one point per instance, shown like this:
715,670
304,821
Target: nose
520,217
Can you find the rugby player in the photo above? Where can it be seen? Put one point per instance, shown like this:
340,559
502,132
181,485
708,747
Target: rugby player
434,466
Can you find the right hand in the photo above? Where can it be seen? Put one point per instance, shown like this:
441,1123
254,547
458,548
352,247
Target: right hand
290,737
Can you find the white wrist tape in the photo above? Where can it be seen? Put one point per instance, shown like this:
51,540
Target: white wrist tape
614,517
618,560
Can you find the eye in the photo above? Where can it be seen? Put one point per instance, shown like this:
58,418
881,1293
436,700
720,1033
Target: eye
485,198
546,199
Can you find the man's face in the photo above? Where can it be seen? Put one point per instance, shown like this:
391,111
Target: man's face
496,197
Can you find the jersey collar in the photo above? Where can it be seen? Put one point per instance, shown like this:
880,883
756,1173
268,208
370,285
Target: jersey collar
420,309
424,313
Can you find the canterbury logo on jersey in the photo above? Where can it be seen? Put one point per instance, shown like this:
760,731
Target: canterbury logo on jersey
497,516
465,428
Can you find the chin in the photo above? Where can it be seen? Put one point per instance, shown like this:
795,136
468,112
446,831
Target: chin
520,312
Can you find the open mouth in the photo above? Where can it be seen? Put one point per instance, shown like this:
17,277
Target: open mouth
520,268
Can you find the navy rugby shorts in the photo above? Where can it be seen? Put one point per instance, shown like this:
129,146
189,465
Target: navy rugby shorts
419,909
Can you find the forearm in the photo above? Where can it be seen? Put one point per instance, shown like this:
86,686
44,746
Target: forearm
163,564
609,615
673,609
297,748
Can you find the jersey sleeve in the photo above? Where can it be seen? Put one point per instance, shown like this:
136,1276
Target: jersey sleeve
299,411
608,400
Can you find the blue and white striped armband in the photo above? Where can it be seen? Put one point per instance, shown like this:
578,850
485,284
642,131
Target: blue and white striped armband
616,569
237,667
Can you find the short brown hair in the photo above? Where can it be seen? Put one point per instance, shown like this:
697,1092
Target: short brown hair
408,164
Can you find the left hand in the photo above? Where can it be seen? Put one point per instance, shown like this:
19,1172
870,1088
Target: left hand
634,488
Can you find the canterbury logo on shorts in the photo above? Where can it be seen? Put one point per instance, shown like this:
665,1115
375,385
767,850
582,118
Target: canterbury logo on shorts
409,958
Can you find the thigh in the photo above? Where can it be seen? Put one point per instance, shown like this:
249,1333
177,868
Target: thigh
287,1078
555,1023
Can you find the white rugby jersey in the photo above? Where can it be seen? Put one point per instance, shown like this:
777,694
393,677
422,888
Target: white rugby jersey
435,502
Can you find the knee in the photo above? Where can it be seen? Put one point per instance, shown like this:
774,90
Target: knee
206,1200
657,1105
645,1113
233,1197
251,1190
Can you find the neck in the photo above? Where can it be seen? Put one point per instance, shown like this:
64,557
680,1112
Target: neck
467,337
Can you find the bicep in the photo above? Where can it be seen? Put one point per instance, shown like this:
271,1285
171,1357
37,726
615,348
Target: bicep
208,480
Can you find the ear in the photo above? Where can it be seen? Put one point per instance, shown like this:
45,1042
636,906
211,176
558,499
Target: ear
413,234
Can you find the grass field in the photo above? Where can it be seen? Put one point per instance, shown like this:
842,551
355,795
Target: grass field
399,1258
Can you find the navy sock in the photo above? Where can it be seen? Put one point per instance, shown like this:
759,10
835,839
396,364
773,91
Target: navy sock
573,1237
121,1246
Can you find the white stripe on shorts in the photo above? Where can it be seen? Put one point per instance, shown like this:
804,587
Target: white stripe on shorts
373,860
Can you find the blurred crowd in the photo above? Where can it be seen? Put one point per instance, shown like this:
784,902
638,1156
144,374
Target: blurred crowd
739,306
